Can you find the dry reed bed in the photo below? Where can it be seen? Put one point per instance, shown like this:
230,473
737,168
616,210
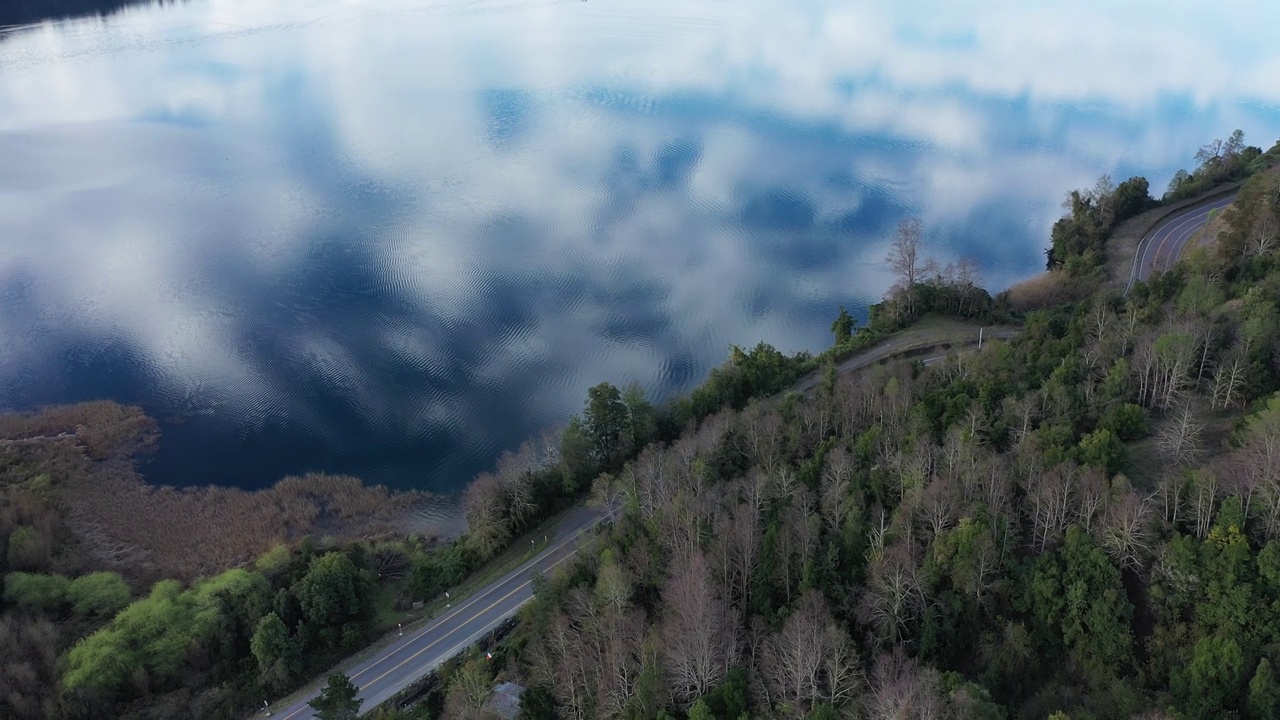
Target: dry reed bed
149,531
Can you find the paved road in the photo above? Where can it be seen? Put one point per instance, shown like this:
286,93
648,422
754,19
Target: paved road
908,341
1161,247
420,651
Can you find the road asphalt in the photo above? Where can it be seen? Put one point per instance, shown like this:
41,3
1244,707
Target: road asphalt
1162,246
418,652
911,340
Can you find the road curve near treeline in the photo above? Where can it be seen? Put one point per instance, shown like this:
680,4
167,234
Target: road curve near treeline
1162,245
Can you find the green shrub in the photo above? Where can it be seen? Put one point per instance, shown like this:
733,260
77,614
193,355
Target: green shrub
32,591
100,594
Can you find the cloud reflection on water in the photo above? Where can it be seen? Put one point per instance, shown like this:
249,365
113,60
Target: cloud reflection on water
393,238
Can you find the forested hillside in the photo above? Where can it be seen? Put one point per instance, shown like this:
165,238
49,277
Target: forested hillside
1083,522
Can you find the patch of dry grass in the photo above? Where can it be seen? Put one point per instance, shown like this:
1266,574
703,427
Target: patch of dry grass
1048,289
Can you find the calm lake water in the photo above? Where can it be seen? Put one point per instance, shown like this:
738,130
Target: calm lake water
395,237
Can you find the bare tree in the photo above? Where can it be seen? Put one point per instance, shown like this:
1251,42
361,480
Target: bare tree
488,526
798,541
621,661
1179,438
608,494
900,689
1023,412
562,661
698,636
969,278
468,694
515,473
1126,531
1169,494
894,595
937,506
835,499
810,659
1257,464
905,260
1266,230
814,423
1228,379
1050,499
1092,498
1204,497
1103,197
736,544
1100,320
762,433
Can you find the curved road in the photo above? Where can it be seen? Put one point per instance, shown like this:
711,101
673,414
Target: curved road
911,340
418,652
1162,246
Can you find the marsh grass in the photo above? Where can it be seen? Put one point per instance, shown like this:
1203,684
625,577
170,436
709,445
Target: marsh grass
85,455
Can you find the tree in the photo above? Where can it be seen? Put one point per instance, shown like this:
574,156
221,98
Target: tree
1264,693
811,660
641,416
1126,531
328,592
469,691
904,259
488,523
606,420
337,701
697,631
32,591
1132,197
275,651
894,595
843,326
1179,438
99,594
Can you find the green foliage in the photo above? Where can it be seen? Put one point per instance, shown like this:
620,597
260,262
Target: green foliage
1214,679
537,703
28,549
32,591
843,326
337,701
328,593
606,419
275,651
1127,422
153,637
1264,693
1103,449
436,571
100,594
1077,595
731,698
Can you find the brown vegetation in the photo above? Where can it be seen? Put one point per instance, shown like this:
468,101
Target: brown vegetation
70,470
1048,290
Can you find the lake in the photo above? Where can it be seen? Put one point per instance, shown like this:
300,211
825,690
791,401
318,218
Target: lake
393,238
